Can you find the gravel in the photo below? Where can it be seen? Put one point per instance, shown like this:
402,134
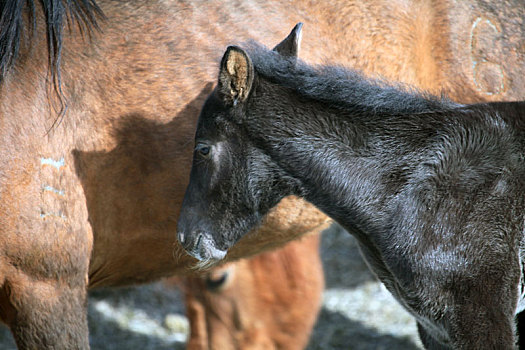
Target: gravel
358,313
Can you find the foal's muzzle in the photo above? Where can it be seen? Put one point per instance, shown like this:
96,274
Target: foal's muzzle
200,245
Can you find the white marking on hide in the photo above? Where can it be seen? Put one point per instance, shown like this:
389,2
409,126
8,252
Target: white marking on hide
44,216
54,190
57,164
478,62
54,163
218,148
217,153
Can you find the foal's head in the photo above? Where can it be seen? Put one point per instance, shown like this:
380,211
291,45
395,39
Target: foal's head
232,182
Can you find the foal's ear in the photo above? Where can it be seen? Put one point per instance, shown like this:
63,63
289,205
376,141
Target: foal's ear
289,47
235,76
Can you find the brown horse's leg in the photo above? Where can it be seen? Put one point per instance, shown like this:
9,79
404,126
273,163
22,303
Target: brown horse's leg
47,314
195,310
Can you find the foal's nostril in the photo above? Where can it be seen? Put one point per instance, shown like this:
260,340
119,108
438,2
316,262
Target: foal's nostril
187,242
199,240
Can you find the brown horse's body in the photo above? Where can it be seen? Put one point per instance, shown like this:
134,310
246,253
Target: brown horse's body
93,200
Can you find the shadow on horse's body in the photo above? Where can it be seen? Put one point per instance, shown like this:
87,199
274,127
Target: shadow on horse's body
91,198
431,189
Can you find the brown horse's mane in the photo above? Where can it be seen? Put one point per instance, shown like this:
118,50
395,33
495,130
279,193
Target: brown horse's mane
20,17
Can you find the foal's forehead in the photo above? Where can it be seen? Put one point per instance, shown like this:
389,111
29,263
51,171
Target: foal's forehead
215,120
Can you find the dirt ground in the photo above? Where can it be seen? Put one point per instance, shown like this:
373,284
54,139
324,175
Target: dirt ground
358,313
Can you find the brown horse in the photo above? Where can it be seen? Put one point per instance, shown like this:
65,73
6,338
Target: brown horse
90,197
267,302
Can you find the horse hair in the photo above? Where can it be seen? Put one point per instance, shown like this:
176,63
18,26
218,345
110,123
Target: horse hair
341,87
82,12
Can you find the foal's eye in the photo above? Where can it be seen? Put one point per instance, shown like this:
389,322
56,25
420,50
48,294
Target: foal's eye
203,149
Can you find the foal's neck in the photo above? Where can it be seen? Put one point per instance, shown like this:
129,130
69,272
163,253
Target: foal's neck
345,158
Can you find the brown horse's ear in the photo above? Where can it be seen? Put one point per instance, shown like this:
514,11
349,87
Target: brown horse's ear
235,76
289,47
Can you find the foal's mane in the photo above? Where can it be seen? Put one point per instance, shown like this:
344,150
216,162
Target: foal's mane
16,14
341,87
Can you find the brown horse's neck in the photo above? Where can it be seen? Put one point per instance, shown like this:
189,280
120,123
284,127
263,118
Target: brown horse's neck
402,33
